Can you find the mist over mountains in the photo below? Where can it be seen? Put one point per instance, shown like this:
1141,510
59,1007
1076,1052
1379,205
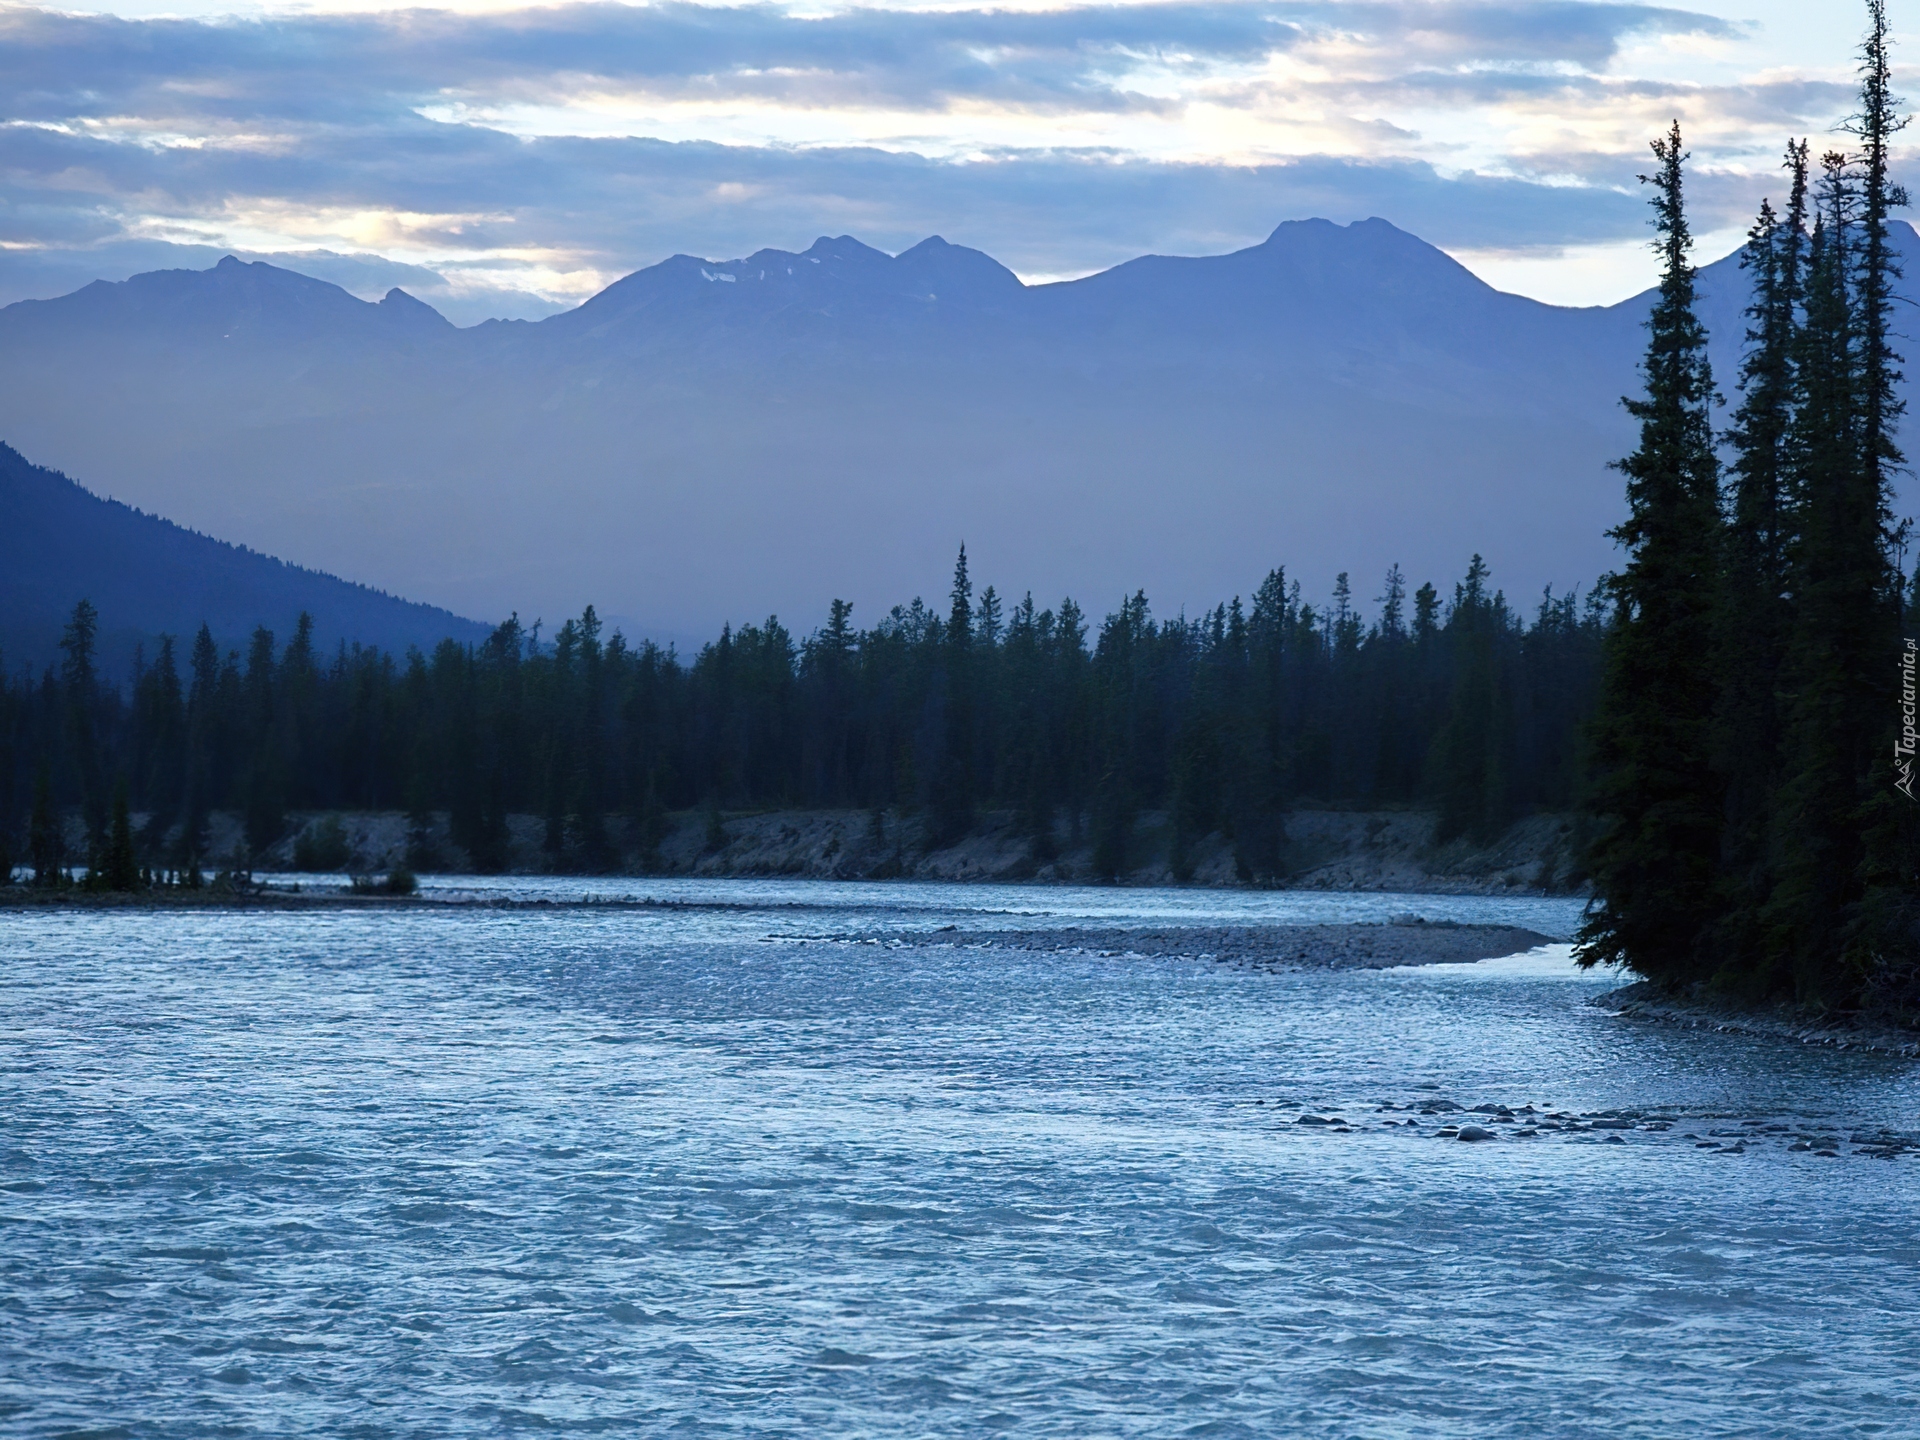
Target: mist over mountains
708,441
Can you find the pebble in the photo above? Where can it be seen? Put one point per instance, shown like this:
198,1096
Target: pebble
1529,1123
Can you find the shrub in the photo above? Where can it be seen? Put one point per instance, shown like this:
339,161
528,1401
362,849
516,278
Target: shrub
322,846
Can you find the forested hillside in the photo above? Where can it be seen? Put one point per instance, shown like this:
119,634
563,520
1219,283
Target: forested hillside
60,544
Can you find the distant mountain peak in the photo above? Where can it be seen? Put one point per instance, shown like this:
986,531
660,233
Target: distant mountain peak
411,310
843,247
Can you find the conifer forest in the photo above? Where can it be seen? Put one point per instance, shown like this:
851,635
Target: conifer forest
1226,720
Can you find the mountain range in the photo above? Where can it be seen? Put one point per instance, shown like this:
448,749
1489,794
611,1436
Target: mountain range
705,441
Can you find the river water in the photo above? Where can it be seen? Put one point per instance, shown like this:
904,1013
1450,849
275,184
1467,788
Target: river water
706,1169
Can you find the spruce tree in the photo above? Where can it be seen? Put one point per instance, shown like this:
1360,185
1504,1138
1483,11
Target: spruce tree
1265,745
1470,760
1755,615
1842,651
1846,921
952,797
1655,796
202,755
80,679
1394,778
159,759
46,848
121,870
265,813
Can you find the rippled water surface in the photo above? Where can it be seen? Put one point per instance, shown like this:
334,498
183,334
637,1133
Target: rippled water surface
706,1169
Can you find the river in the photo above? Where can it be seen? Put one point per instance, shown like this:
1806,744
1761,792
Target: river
716,1168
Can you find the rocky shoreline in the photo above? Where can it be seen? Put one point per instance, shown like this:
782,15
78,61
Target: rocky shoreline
1644,1001
1360,946
1406,940
1324,850
1708,1132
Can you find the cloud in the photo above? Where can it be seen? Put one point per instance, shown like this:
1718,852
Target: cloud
58,66
541,152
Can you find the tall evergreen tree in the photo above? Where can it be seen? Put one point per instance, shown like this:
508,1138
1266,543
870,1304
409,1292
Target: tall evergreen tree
952,715
159,752
1836,692
1265,746
1755,613
1470,760
1655,795
204,742
80,680
120,868
265,818
46,848
1845,914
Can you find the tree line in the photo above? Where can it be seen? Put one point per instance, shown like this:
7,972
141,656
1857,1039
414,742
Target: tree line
1756,830
1225,721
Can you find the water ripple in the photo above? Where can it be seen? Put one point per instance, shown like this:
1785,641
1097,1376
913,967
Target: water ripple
631,1171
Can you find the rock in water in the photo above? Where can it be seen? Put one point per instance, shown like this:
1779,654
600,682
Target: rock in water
1474,1132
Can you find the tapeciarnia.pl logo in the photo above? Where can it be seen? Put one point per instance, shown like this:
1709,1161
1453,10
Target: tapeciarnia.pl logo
1903,748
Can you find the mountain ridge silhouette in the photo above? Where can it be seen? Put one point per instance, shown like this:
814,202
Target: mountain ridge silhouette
711,440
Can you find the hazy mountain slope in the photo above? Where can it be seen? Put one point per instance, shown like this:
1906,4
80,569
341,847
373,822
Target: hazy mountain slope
60,544
709,440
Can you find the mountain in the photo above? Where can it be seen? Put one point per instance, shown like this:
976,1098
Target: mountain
719,440
59,544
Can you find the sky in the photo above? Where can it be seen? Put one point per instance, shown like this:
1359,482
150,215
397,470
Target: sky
494,158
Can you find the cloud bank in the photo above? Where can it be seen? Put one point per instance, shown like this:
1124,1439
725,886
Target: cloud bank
513,161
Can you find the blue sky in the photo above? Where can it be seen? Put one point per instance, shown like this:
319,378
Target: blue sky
497,159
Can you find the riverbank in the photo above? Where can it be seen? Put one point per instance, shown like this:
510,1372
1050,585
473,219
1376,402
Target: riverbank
1403,941
1330,850
1643,1001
